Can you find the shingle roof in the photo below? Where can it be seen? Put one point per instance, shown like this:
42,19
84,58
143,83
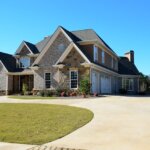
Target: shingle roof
32,47
40,45
90,34
9,61
125,67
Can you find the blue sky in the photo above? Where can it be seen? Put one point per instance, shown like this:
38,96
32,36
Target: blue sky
124,25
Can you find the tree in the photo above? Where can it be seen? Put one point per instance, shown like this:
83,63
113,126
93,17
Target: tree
146,80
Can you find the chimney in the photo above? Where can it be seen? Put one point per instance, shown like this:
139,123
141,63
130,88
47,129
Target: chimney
130,56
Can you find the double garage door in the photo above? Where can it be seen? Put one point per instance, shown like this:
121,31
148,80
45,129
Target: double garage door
101,84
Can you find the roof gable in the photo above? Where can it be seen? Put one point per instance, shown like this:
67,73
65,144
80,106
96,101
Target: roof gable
50,42
68,50
30,48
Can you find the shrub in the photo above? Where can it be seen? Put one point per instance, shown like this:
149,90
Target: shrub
25,89
48,93
85,86
41,93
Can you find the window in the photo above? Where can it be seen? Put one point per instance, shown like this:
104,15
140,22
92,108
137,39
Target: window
24,62
47,80
95,53
103,57
61,47
112,62
128,84
73,79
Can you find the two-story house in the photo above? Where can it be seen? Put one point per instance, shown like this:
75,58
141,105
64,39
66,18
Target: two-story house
63,59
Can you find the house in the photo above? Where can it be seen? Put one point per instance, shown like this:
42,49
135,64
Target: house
63,59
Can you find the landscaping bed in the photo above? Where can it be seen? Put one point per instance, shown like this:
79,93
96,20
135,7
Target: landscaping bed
39,124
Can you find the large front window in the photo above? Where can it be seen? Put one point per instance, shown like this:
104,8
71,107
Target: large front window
47,80
128,84
24,62
73,79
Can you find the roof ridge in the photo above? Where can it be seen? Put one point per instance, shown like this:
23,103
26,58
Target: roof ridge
6,53
82,30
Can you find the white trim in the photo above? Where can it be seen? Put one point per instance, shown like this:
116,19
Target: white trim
75,70
47,80
64,55
52,39
21,46
97,67
66,52
3,66
28,47
6,83
27,58
25,72
125,80
129,76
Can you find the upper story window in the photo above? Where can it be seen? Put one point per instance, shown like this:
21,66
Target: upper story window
95,53
103,57
24,62
112,62
61,47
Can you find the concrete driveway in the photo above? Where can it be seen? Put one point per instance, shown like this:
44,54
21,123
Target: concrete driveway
120,123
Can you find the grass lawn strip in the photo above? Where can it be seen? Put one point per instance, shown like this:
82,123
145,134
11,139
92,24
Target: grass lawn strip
39,123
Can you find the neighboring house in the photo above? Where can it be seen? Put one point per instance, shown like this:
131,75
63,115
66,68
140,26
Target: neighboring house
63,59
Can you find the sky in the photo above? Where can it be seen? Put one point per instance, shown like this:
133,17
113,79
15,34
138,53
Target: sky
123,24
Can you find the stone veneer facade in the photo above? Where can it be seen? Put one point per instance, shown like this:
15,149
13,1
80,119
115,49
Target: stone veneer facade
46,63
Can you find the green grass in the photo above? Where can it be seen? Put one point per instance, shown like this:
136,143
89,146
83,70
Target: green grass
39,123
30,97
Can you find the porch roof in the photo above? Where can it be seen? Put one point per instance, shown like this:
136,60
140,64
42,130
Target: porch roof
23,72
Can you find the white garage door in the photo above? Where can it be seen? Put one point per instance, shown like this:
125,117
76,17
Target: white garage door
105,84
95,82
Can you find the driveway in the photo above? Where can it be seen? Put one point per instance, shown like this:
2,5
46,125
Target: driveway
120,123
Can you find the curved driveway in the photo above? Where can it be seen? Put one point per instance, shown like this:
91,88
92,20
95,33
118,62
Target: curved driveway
119,123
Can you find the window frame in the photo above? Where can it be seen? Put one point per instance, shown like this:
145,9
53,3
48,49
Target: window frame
126,85
50,80
95,56
103,57
20,66
73,79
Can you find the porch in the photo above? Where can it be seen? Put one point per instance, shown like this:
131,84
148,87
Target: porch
19,80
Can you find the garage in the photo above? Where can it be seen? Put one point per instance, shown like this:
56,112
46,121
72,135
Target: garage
95,82
105,84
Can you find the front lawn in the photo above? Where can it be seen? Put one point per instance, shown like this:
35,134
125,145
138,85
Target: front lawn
30,97
39,123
